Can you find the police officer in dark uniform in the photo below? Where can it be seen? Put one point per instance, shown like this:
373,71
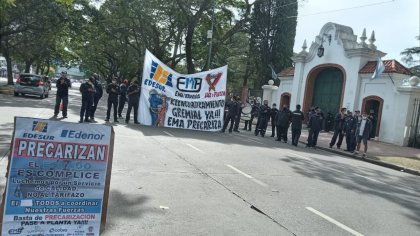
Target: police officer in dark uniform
113,90
122,98
254,113
349,130
283,121
297,119
238,116
263,117
98,95
63,85
88,92
273,113
314,126
338,128
133,94
233,111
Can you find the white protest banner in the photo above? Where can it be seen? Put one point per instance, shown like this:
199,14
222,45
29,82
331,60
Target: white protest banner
170,99
58,178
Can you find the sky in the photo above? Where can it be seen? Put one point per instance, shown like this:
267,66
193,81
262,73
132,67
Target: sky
396,23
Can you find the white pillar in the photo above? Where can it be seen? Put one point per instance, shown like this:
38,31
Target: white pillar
269,91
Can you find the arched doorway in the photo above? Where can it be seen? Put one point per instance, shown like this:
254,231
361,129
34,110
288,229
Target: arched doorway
373,105
325,88
285,100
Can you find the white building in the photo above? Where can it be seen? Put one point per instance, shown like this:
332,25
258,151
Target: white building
337,72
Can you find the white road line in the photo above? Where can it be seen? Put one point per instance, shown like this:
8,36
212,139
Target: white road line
248,176
374,180
354,232
169,134
306,158
195,148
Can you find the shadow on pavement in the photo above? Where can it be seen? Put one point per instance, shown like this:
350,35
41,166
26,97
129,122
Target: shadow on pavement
345,176
127,206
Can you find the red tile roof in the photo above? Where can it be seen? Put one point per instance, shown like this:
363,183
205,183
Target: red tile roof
290,71
391,66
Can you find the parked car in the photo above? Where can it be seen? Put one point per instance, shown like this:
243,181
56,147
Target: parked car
32,84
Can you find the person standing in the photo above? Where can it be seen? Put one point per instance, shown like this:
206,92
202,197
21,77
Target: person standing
232,113
349,130
273,114
133,94
254,113
263,117
88,92
338,128
297,119
63,84
122,98
238,116
314,126
283,121
364,128
246,114
113,90
98,95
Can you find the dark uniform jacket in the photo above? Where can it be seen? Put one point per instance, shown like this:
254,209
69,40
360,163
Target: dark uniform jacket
99,91
264,112
273,113
113,95
283,118
133,93
315,123
234,108
297,119
87,90
339,122
63,88
349,124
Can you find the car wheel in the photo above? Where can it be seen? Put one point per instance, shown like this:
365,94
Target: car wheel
16,94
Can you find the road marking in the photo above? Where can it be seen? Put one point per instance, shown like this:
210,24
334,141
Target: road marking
169,134
374,180
248,176
306,158
354,232
195,148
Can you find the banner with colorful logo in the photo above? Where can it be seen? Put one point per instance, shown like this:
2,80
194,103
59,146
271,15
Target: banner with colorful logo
57,178
170,99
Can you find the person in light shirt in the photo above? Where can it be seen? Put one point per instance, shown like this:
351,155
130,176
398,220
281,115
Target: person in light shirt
362,133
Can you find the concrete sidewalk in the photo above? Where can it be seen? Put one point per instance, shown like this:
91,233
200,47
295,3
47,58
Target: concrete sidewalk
385,154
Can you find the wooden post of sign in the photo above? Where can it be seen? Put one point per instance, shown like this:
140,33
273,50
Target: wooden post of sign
107,182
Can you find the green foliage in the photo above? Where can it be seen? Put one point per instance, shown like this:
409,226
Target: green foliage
111,39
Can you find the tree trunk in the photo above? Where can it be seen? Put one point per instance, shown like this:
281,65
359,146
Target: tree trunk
9,68
188,48
28,66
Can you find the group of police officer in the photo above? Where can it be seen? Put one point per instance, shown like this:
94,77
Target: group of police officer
281,120
118,95
354,127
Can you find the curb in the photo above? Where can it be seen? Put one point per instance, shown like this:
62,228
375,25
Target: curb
375,162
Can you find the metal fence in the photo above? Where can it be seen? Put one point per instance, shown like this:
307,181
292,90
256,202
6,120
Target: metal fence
414,140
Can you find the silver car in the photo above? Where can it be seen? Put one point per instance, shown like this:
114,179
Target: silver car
32,84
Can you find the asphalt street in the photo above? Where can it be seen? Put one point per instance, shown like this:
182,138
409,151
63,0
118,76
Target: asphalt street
180,182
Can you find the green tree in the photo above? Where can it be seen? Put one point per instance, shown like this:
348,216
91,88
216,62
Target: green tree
272,34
